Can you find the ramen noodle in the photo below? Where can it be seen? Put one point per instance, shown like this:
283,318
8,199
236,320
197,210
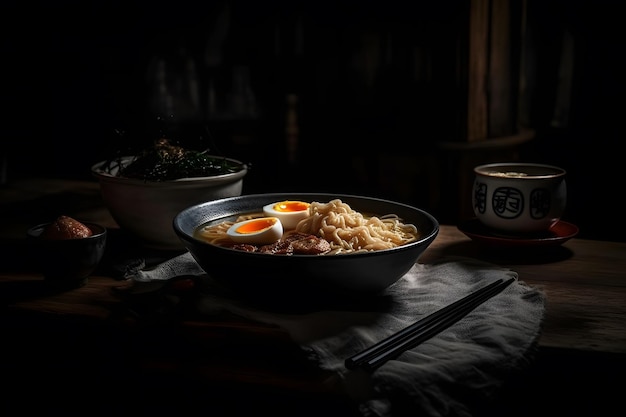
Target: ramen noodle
346,230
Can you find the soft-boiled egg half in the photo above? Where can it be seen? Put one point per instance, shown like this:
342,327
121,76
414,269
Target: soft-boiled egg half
258,231
289,212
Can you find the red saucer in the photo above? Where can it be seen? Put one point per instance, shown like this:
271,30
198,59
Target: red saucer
557,235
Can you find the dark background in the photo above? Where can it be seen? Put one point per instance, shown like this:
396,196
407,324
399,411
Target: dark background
76,74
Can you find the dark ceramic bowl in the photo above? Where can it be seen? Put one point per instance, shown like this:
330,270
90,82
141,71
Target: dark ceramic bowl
67,263
260,275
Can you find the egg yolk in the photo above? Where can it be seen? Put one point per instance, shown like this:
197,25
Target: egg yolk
255,226
291,206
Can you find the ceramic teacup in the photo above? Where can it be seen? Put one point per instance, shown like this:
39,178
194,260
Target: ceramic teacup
519,197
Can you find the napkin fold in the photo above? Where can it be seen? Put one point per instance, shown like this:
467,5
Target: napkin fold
452,373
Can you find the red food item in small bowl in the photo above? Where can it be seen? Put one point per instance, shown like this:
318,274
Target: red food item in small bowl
66,251
65,227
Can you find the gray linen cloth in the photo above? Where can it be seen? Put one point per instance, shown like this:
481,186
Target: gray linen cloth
447,375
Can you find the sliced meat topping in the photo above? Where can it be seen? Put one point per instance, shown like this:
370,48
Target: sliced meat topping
244,247
311,245
282,247
300,243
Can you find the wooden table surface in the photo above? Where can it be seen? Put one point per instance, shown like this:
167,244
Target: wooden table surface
584,280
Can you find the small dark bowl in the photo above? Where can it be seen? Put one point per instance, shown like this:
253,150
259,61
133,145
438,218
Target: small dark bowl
67,263
261,275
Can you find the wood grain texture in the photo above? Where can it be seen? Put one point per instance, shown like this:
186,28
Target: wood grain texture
478,67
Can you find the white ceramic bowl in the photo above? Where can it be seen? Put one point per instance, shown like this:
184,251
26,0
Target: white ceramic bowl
147,208
519,198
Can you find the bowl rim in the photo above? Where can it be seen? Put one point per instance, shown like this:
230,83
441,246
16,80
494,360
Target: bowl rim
98,171
487,170
426,237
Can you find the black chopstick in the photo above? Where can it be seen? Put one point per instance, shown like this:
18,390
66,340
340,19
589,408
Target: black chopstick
409,331
423,329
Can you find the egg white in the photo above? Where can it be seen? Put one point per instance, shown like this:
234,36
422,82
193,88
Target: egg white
264,236
289,219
